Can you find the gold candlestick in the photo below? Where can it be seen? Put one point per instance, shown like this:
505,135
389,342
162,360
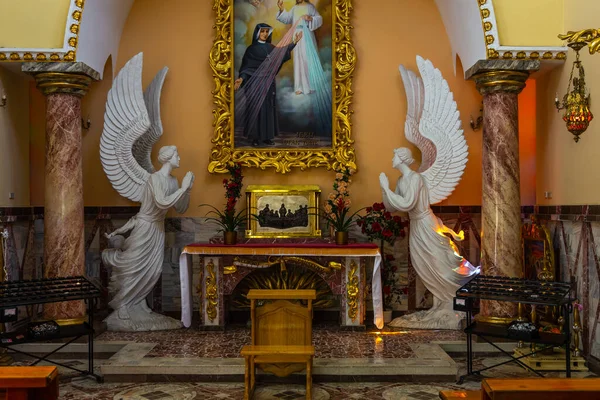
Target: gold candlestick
576,329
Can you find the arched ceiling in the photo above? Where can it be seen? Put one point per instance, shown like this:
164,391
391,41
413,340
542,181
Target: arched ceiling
518,29
89,31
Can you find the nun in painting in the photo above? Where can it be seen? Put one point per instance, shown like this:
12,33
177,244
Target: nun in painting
256,105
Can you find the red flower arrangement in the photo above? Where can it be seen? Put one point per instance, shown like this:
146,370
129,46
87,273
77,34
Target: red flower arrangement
228,220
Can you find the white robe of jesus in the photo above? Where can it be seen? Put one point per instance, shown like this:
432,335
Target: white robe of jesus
301,74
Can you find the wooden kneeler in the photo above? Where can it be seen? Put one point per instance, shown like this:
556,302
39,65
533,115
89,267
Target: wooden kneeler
29,383
281,336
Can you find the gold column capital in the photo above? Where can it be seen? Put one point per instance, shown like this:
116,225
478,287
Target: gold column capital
505,76
62,78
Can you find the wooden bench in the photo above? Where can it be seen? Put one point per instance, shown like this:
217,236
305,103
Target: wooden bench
460,394
541,389
255,355
29,383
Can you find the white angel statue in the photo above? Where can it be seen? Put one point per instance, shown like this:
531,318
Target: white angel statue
434,126
132,125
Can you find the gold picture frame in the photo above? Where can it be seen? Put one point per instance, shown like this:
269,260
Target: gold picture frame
538,252
340,153
298,204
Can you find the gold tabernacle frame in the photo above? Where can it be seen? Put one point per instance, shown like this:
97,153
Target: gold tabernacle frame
221,58
305,196
538,252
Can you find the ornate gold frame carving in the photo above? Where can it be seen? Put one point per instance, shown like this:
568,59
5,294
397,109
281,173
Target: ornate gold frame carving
68,53
311,192
352,291
212,295
283,160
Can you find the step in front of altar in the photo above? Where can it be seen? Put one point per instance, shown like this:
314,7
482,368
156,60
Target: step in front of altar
130,365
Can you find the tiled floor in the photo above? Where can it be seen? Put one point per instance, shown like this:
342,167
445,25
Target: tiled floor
389,349
329,342
84,389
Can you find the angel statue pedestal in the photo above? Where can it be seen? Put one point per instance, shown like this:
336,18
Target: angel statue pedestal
433,125
131,126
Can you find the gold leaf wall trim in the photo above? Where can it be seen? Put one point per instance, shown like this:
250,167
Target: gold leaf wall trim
496,51
66,54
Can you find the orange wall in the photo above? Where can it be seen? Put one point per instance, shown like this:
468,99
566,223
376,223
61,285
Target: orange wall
527,142
181,37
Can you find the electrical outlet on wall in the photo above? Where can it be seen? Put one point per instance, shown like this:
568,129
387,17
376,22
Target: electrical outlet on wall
11,195
547,195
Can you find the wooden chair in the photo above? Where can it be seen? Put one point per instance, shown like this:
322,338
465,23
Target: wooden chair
29,383
281,336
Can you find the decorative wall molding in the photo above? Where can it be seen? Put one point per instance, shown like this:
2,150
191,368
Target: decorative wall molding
67,53
495,50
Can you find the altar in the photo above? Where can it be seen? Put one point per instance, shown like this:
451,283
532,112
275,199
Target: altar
223,267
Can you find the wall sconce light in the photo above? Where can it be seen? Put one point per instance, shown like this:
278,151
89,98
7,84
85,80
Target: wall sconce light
3,101
86,124
476,125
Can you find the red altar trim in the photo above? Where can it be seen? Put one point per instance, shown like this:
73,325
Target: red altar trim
359,249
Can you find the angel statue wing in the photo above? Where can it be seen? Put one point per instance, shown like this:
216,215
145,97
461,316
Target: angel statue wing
433,125
131,126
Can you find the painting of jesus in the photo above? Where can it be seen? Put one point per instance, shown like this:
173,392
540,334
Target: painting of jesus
283,74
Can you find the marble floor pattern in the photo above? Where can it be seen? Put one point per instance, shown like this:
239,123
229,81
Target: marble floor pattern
75,388
329,342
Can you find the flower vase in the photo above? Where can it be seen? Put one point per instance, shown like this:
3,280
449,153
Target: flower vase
230,237
341,238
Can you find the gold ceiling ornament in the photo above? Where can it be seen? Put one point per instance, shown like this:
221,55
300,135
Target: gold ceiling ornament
212,295
494,49
282,160
352,291
65,54
576,102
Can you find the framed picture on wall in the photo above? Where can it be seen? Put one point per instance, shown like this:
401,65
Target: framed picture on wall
283,74
283,211
538,252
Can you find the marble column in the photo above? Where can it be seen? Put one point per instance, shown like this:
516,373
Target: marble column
500,82
64,84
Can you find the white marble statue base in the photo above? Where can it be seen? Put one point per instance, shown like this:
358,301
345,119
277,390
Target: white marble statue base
440,316
139,318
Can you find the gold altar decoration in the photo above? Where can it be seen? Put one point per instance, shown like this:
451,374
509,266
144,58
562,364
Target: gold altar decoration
283,261
212,297
221,61
352,291
286,277
301,200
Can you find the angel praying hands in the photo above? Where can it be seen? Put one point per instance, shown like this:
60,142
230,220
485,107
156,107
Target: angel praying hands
132,125
433,125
